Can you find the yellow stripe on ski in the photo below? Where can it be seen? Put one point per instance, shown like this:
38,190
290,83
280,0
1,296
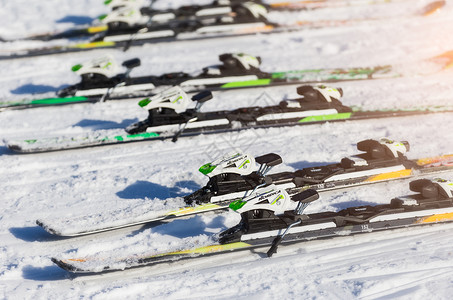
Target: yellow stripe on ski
440,160
207,249
93,45
193,209
436,218
96,29
390,175
200,250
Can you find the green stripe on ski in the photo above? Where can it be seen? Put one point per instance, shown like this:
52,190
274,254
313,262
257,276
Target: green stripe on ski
335,74
116,138
44,101
339,116
236,84
138,136
58,100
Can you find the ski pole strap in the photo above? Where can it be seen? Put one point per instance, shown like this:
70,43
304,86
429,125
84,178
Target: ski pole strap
279,238
176,136
107,93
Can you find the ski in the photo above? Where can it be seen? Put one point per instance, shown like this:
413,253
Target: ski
171,118
246,18
102,80
236,175
271,217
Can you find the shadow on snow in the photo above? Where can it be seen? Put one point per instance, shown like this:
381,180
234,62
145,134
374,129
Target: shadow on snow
33,234
191,227
307,164
101,124
49,273
36,89
143,189
76,20
6,151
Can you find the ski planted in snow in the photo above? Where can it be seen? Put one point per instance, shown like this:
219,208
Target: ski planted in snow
237,175
271,217
170,118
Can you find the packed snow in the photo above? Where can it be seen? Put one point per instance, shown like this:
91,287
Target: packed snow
111,181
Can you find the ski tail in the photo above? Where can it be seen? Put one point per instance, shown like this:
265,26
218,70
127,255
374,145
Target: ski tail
445,59
432,8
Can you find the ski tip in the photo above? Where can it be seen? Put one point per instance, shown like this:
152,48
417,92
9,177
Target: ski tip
13,147
67,265
64,265
48,229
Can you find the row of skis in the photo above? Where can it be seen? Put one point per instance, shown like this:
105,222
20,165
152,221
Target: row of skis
172,113
130,24
271,205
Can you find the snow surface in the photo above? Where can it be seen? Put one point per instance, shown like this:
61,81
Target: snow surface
408,264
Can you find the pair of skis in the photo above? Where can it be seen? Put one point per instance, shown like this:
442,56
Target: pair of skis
245,18
271,217
236,175
171,118
101,79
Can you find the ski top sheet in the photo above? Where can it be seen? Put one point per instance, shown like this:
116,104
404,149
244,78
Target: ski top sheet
428,207
252,21
91,224
318,105
236,78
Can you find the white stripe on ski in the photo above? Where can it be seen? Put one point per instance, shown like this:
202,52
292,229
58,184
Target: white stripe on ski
229,27
139,36
117,90
297,114
163,17
195,124
412,214
365,173
218,80
213,11
296,229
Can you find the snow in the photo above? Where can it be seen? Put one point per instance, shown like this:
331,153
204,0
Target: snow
412,263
